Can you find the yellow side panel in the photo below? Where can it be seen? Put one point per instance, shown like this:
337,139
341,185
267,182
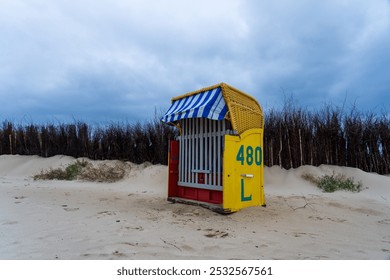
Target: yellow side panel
243,174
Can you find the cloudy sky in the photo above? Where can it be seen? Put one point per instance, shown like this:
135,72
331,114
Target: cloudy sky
121,60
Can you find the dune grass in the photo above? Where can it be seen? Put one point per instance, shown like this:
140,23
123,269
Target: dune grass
334,182
84,170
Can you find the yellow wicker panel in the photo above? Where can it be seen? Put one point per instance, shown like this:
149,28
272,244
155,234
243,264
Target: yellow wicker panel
244,111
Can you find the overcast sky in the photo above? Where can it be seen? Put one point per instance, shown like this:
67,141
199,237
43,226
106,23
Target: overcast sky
120,60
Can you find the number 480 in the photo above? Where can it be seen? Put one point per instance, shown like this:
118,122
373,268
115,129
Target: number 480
249,155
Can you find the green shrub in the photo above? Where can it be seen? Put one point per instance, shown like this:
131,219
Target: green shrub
71,172
332,183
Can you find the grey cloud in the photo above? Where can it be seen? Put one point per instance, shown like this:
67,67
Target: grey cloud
122,59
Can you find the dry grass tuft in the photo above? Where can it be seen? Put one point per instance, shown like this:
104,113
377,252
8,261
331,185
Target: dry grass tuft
84,170
104,172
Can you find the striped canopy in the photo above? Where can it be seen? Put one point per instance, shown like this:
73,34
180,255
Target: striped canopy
208,104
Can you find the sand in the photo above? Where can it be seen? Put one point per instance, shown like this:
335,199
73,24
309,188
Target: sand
131,219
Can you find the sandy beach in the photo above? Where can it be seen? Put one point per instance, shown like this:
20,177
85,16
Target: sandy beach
131,219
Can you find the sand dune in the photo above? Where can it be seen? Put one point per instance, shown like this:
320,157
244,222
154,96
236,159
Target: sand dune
131,219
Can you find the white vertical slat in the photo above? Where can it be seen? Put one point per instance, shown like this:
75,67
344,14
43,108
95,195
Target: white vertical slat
182,150
219,153
196,149
185,151
221,149
188,152
209,157
214,145
188,147
181,140
192,147
200,137
193,134
196,155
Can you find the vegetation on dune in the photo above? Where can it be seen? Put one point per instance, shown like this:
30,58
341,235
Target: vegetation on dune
334,182
84,170
293,137
71,172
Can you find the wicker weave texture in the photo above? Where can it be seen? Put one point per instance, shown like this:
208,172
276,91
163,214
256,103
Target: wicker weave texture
244,111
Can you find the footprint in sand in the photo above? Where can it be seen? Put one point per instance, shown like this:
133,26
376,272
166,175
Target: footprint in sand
384,222
10,223
336,220
69,209
106,213
301,234
117,253
18,198
140,228
216,233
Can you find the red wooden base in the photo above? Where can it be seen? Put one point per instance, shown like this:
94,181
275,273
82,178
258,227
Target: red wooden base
209,196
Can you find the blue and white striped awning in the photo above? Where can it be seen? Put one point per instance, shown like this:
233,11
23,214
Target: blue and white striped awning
207,104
